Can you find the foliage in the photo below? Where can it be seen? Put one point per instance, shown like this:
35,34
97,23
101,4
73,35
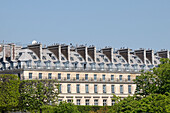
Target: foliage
65,107
9,88
157,81
152,103
92,109
37,93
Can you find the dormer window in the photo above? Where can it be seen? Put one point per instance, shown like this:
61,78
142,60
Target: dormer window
80,59
106,60
115,60
44,58
131,61
62,58
89,59
147,61
139,61
98,60
53,58
71,58
155,62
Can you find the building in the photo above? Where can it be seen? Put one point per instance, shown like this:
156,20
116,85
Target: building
86,75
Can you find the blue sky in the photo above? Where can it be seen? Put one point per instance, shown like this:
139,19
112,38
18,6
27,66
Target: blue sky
117,23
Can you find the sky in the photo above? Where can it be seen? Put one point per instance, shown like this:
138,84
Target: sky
117,23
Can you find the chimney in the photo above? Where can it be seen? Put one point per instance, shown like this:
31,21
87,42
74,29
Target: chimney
65,50
150,56
37,49
12,52
109,53
92,53
141,54
56,50
83,52
125,53
163,53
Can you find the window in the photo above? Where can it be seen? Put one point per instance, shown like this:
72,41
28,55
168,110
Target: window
59,76
113,89
104,88
68,76
78,88
113,102
89,59
69,100
95,88
120,78
62,58
129,89
30,76
87,88
104,102
131,61
106,60
77,76
60,88
87,102
86,77
40,75
121,89
68,88
98,60
78,101
71,58
96,102
129,78
103,77
49,75
115,60
95,77
112,77
59,100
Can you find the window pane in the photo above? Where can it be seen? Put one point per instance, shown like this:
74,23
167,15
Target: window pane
113,89
103,77
112,77
78,88
95,88
121,88
78,102
87,88
68,76
129,89
104,88
30,75
60,88
69,88
49,75
95,77
96,102
40,75
129,78
104,102
77,76
59,76
120,77
87,102
86,76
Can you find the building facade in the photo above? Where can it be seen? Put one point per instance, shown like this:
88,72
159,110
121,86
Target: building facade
86,76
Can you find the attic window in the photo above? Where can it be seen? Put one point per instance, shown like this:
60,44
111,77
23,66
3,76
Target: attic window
50,54
139,61
131,61
53,58
123,60
44,58
34,57
89,59
80,58
106,60
98,60
62,58
71,58
115,60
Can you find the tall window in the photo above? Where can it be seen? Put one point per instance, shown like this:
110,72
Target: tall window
112,77
78,101
68,76
68,88
113,102
103,77
40,75
78,88
87,88
113,89
95,77
59,76
87,102
121,89
86,77
120,78
30,76
96,102
95,88
129,78
60,88
49,75
104,88
77,76
104,102
129,89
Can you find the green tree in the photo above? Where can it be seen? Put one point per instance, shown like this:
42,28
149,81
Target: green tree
65,107
37,93
157,81
9,92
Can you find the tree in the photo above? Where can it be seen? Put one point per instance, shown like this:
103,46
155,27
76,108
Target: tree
157,81
65,107
9,92
37,93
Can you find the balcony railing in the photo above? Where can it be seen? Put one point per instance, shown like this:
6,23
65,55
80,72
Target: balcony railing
74,69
